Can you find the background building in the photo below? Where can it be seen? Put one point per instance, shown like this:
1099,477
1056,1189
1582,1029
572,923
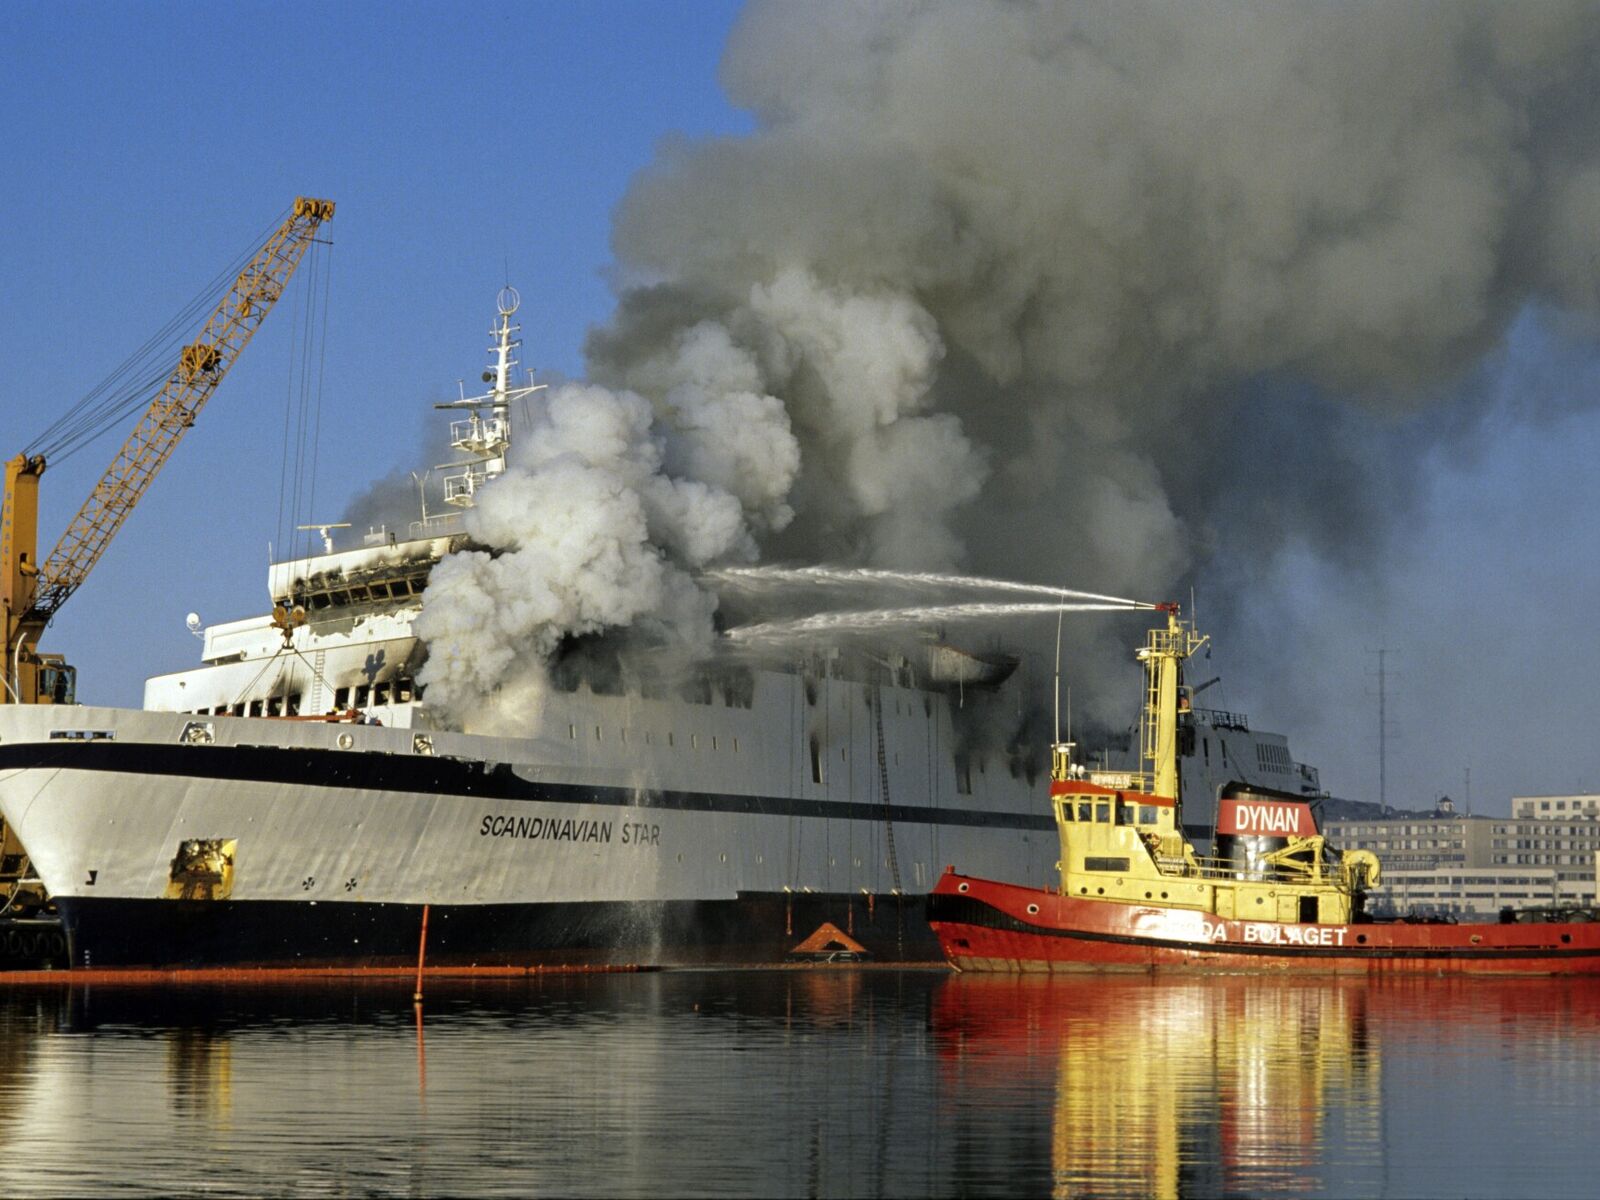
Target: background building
1546,853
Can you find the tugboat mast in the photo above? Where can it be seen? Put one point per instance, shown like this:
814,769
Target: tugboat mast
1163,655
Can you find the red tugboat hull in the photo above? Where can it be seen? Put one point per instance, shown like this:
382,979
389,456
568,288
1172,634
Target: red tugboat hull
984,925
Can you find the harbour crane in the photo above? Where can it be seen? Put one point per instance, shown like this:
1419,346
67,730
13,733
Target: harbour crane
32,592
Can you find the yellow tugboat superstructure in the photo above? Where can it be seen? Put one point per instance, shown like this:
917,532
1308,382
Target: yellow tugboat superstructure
1122,833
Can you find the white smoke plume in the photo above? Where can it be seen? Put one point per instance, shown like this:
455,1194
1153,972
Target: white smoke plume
589,534
1114,292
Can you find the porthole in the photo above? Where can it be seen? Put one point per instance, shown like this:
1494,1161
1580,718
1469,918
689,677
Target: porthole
346,741
1033,910
1100,891
1566,937
1361,939
1147,895
1259,900
961,887
1476,938
1163,895
1083,891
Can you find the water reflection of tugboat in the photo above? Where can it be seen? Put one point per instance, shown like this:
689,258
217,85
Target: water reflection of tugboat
1135,895
1223,1087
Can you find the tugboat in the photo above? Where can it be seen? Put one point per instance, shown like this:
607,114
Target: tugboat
1273,896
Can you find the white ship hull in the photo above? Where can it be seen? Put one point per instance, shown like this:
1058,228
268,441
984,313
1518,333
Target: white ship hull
334,848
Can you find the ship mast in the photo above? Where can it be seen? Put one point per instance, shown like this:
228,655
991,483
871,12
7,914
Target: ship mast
1163,656
486,434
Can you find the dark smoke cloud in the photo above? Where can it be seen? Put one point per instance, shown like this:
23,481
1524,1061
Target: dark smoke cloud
1115,295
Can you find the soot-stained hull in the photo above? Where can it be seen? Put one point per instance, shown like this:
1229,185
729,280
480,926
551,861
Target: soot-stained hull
752,929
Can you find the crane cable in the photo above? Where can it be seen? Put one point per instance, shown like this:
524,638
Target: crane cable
302,417
123,393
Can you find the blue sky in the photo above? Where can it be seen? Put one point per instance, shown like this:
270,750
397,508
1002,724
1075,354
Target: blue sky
146,144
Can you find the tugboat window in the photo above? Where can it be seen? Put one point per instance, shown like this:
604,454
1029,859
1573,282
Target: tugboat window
1147,814
1102,812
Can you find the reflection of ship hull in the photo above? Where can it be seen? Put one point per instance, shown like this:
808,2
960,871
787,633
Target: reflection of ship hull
989,926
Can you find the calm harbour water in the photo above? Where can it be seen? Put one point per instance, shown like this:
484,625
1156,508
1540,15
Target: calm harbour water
807,1083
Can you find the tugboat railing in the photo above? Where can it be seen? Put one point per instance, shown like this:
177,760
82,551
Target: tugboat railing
1228,871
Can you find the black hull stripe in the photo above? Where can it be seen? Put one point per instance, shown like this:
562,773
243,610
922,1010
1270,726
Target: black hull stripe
754,928
300,766
965,910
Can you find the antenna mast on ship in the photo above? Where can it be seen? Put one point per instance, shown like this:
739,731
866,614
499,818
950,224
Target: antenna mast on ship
486,436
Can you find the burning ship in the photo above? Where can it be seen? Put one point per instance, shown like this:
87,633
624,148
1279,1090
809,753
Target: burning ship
294,800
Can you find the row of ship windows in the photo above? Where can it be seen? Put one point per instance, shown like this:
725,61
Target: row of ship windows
367,591
647,738
400,691
272,706
734,687
1270,757
1101,812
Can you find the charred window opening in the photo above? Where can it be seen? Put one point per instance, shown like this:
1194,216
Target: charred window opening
738,687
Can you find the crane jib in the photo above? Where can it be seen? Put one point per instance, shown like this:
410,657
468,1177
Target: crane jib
35,593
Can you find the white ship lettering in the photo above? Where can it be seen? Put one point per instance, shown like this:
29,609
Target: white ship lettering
1277,935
